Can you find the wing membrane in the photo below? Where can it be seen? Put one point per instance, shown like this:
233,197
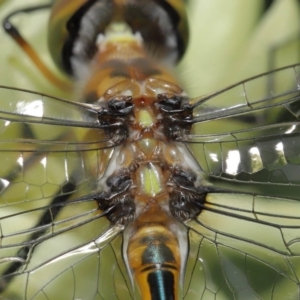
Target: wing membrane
53,154
252,142
23,105
74,249
46,143
260,91
244,247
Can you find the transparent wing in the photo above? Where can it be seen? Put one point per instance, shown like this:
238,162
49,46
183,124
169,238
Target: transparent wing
247,136
22,105
46,143
53,153
74,246
244,247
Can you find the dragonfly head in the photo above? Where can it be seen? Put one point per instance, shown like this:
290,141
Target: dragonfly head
75,27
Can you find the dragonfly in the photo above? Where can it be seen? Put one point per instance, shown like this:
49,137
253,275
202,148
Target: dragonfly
140,192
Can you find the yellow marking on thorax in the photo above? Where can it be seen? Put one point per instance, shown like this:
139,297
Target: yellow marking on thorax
150,180
144,118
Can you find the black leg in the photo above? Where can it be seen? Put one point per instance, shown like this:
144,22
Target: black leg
56,205
28,49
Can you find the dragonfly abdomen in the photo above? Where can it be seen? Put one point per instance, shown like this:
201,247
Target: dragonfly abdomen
154,254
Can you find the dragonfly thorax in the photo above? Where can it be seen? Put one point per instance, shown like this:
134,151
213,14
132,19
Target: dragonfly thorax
151,187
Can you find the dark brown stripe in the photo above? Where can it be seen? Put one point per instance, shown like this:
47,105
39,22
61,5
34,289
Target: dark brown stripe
162,266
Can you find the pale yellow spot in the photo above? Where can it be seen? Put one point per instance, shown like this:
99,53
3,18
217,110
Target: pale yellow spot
144,118
150,179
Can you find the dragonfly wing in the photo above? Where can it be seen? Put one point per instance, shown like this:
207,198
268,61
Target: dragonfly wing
254,144
244,247
53,235
27,105
262,90
78,257
43,149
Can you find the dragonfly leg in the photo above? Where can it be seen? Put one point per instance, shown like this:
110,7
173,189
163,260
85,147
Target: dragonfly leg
23,255
28,49
118,202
